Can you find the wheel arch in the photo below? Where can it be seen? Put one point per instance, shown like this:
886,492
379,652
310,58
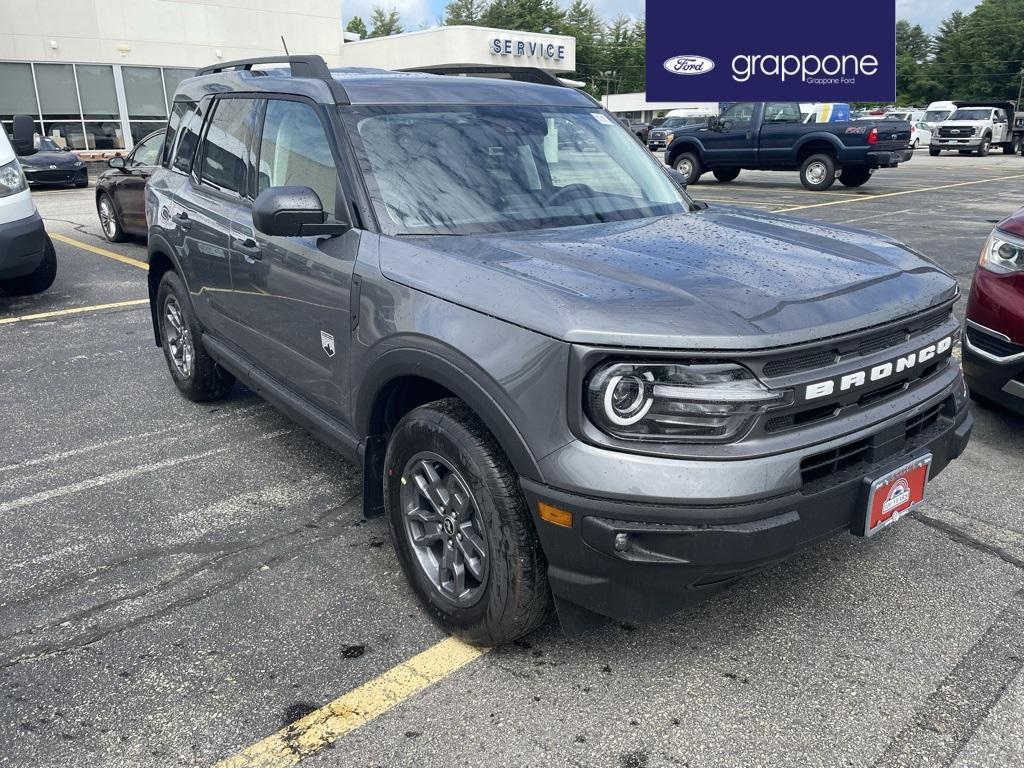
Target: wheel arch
686,144
816,143
161,261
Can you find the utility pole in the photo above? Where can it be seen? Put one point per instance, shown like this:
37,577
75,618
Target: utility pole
1020,89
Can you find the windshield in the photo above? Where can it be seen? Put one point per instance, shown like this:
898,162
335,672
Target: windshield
45,144
936,115
971,114
474,169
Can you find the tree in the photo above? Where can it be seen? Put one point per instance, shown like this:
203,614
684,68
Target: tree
524,15
468,12
583,23
384,23
913,48
357,25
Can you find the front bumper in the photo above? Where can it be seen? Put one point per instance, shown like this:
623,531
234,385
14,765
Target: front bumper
994,367
58,176
970,142
890,158
21,246
634,560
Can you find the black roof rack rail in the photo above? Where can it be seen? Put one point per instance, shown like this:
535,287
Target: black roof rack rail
309,66
521,74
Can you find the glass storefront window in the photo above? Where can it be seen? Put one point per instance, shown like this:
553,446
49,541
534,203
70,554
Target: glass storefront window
17,94
67,134
57,94
171,79
96,89
104,135
144,92
141,130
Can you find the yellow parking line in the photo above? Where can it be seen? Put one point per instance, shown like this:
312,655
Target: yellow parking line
101,251
72,311
321,728
897,194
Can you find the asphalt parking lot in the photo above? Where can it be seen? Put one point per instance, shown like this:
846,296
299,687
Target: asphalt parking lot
180,582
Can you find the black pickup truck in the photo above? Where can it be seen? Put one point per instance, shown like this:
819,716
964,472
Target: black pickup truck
770,136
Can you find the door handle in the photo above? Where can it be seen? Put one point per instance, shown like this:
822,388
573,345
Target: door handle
182,220
249,248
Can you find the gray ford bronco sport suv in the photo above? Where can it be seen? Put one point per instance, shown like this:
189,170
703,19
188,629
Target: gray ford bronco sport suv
569,386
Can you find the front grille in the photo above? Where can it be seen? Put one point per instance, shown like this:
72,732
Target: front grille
993,344
956,133
52,176
854,458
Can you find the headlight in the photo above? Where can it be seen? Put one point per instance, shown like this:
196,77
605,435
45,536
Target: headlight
1002,253
675,402
669,137
79,163
977,131
12,180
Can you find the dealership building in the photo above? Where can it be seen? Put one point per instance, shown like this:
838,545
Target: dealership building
100,74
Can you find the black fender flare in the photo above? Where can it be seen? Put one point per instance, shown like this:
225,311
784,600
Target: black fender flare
829,138
158,244
459,375
685,144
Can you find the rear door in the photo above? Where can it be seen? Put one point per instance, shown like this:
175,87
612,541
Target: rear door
291,295
214,199
733,143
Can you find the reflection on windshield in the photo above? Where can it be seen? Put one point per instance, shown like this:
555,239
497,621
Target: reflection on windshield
45,144
971,114
471,169
936,116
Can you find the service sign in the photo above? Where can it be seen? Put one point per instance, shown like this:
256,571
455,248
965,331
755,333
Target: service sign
788,50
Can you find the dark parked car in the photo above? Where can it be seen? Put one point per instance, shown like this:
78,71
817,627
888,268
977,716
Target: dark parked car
121,191
993,349
52,165
569,386
659,136
771,137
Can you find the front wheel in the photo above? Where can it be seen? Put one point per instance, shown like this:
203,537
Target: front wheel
916,144
690,166
39,279
986,144
461,527
854,175
726,174
195,373
933,151
818,172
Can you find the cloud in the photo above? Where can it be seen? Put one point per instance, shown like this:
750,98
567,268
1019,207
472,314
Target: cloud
929,13
416,14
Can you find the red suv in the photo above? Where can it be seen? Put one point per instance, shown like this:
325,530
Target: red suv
994,340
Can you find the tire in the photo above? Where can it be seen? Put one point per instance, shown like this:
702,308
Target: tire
986,145
726,174
39,279
818,172
110,223
82,184
194,372
934,152
854,175
916,144
509,597
1012,148
692,162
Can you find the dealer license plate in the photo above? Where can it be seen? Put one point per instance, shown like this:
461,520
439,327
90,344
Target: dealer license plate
890,497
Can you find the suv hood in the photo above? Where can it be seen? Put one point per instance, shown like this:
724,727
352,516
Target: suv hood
725,278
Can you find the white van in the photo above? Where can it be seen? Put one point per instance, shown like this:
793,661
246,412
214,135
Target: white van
28,263
937,112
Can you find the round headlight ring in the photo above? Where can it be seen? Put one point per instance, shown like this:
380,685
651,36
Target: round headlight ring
627,398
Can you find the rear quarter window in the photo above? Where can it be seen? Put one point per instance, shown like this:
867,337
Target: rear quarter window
187,138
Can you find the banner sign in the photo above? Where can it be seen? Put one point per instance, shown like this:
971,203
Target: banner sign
788,50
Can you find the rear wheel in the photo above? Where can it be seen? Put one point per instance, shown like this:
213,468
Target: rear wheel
461,527
818,172
854,175
39,279
933,151
195,373
1012,148
726,174
109,222
690,166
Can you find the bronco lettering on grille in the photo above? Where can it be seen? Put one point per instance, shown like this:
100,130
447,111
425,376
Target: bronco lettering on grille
857,379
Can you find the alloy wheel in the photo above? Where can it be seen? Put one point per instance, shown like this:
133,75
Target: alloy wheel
178,338
108,220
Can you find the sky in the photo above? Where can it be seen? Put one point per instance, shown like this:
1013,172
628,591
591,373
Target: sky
420,14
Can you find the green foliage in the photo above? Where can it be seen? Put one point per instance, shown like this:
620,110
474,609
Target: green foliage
357,25
384,23
466,12
978,55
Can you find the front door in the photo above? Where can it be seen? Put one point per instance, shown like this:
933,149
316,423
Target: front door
130,187
291,294
732,144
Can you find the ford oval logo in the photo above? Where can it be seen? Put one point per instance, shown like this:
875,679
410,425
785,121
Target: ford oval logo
689,65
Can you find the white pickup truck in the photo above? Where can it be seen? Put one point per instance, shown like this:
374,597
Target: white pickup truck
28,263
976,127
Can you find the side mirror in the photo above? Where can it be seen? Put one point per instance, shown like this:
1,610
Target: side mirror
678,177
292,212
116,162
24,135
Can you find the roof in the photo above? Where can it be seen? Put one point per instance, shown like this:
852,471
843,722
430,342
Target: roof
364,85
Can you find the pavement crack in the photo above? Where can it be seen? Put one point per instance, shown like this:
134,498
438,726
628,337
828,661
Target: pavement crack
967,540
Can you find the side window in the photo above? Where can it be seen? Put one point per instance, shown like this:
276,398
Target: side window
294,152
739,115
188,138
148,152
178,111
224,147
781,112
